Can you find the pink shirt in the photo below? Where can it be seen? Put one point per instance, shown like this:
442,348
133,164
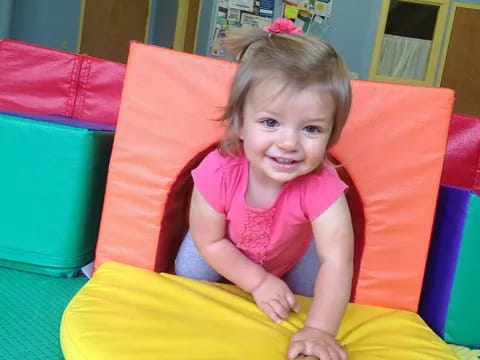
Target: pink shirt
275,237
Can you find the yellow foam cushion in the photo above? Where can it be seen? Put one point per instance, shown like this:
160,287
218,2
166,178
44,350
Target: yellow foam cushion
125,312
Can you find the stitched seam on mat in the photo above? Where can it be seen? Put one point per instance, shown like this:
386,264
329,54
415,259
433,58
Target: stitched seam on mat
81,88
72,91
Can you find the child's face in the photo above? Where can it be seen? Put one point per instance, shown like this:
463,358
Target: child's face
285,134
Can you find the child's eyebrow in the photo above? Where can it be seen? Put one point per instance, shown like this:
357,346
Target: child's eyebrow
317,120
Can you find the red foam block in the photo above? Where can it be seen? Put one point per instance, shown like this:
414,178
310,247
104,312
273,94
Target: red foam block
37,79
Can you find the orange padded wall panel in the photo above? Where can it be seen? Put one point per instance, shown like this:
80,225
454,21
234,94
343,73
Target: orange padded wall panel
392,151
165,118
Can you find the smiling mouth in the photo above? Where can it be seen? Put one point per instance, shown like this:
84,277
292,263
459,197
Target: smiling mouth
284,163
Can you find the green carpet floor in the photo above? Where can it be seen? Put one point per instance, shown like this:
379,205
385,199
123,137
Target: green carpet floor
465,353
31,307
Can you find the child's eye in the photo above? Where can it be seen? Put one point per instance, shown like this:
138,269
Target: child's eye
270,122
312,129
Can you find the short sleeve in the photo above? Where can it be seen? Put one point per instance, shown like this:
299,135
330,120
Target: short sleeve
322,190
209,178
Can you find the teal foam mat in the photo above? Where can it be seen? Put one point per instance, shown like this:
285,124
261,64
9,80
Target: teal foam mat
31,307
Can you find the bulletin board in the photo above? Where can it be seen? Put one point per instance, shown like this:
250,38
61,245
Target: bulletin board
239,13
311,15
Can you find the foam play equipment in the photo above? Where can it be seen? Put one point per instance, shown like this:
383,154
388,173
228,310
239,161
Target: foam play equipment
125,311
42,80
462,159
450,295
166,123
51,191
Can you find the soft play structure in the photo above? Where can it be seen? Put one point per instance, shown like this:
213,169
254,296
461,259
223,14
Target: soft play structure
165,125
52,186
450,291
462,160
450,294
51,190
36,79
53,167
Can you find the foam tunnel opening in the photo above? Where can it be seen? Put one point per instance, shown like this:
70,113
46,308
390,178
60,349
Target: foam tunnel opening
174,224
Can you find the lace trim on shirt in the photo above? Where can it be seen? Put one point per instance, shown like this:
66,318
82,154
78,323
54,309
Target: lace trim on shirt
255,234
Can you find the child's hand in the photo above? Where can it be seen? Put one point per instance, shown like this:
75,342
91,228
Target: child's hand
316,342
275,298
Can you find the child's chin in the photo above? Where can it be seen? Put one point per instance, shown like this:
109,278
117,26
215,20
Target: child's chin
284,177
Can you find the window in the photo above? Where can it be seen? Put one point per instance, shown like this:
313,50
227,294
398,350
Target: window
408,41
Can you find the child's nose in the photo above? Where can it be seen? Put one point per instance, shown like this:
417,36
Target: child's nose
288,141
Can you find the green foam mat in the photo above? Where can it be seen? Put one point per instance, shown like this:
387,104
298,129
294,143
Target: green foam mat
51,194
31,307
462,324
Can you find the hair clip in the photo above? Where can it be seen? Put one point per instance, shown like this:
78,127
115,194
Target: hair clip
284,26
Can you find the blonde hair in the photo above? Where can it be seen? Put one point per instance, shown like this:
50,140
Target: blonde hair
300,60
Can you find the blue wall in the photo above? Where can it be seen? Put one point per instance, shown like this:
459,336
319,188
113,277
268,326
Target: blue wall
205,26
52,23
6,7
352,31
163,22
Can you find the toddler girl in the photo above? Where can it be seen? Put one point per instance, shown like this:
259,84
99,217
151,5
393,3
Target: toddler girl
268,212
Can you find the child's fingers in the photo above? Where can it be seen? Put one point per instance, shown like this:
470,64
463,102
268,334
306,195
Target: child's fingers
280,309
272,314
342,354
292,302
295,349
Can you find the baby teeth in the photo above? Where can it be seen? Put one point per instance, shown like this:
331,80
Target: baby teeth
284,161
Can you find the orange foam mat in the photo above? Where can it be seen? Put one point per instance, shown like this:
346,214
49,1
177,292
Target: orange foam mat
392,150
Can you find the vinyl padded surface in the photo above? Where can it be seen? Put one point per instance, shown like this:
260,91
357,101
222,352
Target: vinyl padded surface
126,313
31,306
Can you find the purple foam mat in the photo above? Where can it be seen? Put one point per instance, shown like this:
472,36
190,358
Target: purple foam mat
450,218
63,120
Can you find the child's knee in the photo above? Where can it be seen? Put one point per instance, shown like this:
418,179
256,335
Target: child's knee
189,263
182,268
195,270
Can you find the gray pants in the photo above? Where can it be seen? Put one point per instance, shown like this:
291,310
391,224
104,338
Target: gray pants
301,278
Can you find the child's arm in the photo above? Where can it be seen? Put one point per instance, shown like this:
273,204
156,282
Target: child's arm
334,240
207,227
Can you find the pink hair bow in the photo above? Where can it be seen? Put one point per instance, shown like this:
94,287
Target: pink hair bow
282,25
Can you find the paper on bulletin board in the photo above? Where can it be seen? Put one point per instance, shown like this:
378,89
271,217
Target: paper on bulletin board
323,8
234,16
246,5
254,21
218,35
306,5
315,7
318,27
290,12
303,20
266,8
